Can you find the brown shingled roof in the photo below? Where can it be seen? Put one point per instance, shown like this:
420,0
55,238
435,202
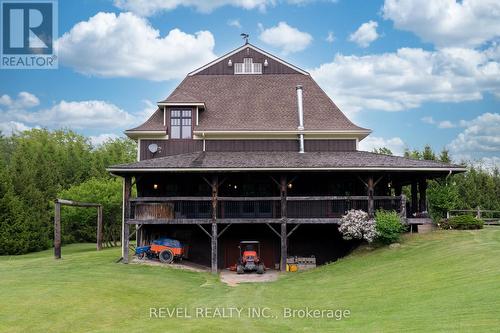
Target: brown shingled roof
284,160
154,123
260,102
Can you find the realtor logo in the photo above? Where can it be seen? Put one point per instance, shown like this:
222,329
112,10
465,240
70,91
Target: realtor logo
29,29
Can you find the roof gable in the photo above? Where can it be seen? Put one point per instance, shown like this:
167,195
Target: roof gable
275,65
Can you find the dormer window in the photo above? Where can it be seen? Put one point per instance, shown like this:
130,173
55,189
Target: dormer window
180,124
247,67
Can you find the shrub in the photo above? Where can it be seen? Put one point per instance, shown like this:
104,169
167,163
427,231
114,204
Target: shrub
461,222
357,225
388,226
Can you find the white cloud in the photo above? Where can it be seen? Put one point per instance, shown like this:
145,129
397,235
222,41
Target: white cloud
11,127
440,124
410,77
330,38
481,135
465,23
395,144
234,23
128,46
24,100
150,7
446,124
90,115
285,37
428,120
98,140
366,34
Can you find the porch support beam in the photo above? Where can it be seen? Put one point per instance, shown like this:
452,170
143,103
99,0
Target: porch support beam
127,189
370,185
291,231
223,230
414,197
274,230
283,195
214,240
422,189
214,248
283,247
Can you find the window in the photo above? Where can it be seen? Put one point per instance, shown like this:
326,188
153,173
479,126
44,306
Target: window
247,67
180,124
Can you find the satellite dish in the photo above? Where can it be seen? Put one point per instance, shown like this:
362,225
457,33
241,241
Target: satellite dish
153,148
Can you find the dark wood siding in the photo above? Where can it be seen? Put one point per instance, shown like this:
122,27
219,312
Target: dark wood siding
252,145
330,145
174,147
170,147
280,145
274,67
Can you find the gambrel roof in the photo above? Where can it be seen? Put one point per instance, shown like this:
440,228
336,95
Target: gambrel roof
258,102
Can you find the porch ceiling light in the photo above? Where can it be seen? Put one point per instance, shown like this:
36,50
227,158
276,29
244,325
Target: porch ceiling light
155,186
290,185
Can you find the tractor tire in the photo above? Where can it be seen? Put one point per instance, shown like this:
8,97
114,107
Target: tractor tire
240,269
166,256
260,269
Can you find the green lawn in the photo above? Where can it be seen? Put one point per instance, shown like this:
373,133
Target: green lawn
444,281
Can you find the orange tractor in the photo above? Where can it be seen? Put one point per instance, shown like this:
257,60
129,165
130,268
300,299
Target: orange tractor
249,260
164,249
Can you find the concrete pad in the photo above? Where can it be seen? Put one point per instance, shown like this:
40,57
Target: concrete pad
185,265
232,279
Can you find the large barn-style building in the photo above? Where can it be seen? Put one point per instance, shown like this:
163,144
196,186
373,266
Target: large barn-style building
249,147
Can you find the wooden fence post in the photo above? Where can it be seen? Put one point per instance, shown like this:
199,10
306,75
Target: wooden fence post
99,228
57,231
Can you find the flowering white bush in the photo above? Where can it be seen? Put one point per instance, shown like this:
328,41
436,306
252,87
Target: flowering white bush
357,225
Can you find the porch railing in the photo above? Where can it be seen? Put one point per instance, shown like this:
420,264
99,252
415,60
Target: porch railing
306,207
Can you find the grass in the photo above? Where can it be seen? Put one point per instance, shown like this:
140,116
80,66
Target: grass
445,281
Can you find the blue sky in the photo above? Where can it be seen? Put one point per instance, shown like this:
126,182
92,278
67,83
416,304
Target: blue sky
415,73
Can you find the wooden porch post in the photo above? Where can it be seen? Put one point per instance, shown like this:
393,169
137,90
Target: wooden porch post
127,189
283,193
215,190
414,197
371,204
57,231
99,228
422,188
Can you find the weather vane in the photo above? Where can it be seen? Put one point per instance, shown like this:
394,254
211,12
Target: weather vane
245,37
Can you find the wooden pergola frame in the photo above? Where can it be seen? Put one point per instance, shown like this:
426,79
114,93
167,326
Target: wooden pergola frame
57,223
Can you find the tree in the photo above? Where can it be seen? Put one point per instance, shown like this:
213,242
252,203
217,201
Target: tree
444,156
414,154
36,166
442,197
428,153
79,225
383,151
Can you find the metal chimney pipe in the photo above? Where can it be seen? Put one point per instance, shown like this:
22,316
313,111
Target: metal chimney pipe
300,109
